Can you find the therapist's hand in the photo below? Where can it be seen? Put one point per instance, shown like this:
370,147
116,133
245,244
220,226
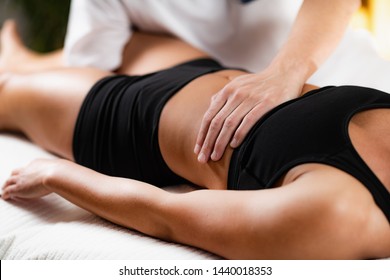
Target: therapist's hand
235,109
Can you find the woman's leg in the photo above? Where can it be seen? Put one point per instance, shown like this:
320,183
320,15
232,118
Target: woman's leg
143,54
16,57
45,105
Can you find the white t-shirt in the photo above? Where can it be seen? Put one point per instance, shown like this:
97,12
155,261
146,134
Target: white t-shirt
237,34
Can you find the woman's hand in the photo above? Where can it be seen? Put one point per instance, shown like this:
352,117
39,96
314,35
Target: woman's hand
28,182
239,105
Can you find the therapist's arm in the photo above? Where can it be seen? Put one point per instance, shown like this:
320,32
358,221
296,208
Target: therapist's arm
97,34
234,110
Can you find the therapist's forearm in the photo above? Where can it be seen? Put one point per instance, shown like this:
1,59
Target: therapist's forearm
316,32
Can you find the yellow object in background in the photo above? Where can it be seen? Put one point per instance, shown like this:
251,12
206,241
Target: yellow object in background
374,16
380,24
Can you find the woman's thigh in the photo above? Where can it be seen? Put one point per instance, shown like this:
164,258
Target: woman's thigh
146,53
45,105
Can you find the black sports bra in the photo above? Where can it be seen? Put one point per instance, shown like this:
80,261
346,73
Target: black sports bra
310,129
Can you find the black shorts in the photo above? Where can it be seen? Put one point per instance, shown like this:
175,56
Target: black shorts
116,131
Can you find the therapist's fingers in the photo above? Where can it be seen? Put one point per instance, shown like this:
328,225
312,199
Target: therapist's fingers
229,128
217,102
221,119
227,109
246,125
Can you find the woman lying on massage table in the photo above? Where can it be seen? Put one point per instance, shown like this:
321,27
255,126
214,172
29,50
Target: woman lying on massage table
311,180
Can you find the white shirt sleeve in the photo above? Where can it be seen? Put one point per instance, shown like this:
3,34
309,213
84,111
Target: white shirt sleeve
97,34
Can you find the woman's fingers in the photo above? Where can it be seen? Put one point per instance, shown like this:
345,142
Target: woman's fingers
9,187
15,171
8,191
10,181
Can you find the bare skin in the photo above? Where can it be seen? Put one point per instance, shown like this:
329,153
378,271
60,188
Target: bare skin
316,31
237,106
315,211
15,57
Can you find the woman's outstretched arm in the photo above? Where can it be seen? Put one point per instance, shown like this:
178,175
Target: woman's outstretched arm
296,221
125,202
